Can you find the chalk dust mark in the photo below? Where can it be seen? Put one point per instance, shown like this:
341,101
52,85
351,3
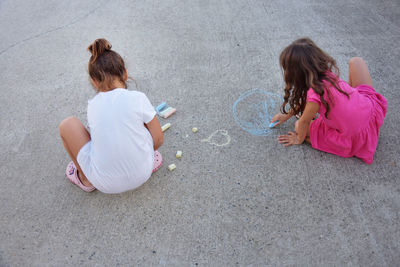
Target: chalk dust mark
218,138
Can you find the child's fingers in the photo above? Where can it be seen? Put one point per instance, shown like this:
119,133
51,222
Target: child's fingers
276,120
283,139
275,123
286,140
286,143
286,136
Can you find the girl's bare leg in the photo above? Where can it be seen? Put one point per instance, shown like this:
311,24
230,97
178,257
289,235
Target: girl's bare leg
358,72
74,136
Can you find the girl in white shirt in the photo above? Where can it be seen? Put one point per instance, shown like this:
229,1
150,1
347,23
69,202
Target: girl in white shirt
120,152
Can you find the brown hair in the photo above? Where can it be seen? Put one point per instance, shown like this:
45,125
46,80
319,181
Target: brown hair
105,65
306,66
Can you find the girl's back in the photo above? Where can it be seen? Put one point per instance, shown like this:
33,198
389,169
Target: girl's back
348,114
116,121
352,126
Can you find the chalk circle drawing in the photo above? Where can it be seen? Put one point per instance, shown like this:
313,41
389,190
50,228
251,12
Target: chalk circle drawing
218,138
254,109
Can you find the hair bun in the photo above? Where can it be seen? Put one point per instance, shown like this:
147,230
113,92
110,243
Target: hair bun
98,47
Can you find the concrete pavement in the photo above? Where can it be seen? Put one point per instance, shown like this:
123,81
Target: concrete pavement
235,198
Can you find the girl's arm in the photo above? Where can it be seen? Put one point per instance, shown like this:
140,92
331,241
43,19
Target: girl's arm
303,125
155,130
282,117
302,128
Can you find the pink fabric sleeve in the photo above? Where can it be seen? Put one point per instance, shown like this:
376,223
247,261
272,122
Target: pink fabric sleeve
313,96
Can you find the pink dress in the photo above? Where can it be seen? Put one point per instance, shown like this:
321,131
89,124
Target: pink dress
352,126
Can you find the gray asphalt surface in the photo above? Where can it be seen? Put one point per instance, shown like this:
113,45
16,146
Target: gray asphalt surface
234,198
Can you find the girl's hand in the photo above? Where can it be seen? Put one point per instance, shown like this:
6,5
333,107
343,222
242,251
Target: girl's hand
302,126
290,139
281,118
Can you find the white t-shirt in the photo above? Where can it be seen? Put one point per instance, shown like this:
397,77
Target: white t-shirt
121,152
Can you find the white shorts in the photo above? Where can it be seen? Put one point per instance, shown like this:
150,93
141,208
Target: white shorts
83,159
114,185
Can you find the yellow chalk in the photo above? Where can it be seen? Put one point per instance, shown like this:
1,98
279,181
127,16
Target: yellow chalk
165,127
171,167
178,154
194,129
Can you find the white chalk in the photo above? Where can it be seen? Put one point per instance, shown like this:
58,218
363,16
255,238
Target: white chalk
194,129
178,154
165,126
171,167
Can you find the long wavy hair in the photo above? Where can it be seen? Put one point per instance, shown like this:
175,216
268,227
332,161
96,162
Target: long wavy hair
306,66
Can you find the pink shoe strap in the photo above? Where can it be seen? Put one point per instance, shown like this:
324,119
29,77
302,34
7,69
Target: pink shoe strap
72,175
158,161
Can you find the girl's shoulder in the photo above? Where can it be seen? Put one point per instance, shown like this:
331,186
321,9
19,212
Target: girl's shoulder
312,96
117,94
132,94
343,85
135,93
328,88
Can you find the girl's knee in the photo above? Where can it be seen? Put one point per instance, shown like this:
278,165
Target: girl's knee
356,60
67,123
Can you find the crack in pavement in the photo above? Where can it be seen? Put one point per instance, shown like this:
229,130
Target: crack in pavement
53,30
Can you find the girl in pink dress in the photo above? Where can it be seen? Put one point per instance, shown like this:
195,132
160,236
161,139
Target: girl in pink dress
350,114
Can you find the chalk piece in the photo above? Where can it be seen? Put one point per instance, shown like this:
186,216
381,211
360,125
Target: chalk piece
165,126
168,112
272,125
178,154
194,129
171,167
165,110
160,107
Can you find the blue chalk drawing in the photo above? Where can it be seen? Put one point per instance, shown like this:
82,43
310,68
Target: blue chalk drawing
254,109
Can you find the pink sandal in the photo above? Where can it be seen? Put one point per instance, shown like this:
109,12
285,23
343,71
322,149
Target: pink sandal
157,161
72,174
